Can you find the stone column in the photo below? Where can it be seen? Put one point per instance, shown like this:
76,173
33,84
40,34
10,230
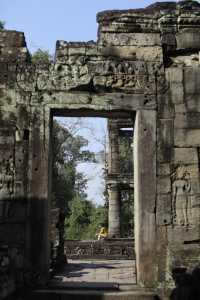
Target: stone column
113,155
39,196
113,190
114,211
145,197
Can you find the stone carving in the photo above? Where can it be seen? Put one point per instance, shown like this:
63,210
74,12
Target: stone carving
78,71
119,68
109,249
43,76
78,251
181,201
72,74
125,76
7,178
26,77
126,81
77,67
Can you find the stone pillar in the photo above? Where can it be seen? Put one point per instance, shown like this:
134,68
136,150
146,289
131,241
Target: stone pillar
39,196
114,211
113,155
145,197
113,170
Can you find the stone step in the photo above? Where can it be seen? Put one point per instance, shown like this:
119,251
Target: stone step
59,294
108,286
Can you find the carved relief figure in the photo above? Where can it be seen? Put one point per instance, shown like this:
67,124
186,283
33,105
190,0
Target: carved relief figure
125,75
75,72
181,190
6,178
26,77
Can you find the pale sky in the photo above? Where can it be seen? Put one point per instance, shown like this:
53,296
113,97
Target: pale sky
46,21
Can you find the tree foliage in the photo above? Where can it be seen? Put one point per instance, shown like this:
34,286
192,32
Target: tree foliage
98,218
41,56
127,213
67,152
2,24
84,220
79,219
83,217
126,154
68,185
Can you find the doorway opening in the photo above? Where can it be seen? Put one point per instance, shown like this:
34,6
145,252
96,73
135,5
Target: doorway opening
92,202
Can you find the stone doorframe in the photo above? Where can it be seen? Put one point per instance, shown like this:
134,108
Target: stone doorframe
144,169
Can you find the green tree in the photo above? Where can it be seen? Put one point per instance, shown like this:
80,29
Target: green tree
84,220
99,217
41,56
79,219
67,153
127,213
2,24
126,154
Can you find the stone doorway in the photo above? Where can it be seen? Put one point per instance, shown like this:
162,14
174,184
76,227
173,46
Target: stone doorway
107,262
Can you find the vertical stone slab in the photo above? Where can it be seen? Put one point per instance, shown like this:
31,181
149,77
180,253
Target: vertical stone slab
39,243
145,197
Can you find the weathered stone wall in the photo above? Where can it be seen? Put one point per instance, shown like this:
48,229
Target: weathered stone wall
178,203
178,165
14,153
144,62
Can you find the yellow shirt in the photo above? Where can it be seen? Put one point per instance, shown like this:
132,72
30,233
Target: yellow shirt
103,231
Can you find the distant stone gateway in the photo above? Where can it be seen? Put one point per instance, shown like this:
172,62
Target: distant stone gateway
145,64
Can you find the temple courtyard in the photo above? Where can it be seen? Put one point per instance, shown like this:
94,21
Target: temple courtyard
101,273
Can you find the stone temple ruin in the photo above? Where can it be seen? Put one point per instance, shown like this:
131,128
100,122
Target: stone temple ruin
145,63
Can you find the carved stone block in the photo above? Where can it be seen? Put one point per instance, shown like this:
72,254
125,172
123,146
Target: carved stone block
165,106
163,185
134,52
175,75
185,155
130,39
192,80
187,138
185,200
178,235
177,93
187,120
164,209
109,249
163,169
189,38
165,140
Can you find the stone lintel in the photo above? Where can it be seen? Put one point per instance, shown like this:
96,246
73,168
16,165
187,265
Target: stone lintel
107,101
130,39
133,52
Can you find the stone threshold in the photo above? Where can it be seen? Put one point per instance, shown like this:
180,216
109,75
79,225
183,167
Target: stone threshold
136,293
